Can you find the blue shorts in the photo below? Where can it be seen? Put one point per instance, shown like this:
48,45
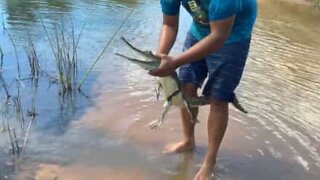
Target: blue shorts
223,69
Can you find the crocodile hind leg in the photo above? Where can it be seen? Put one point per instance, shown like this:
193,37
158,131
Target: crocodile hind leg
157,123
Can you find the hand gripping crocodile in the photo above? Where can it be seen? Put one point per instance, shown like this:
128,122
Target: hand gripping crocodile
170,88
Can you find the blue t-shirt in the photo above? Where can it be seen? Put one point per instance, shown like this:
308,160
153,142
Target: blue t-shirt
204,11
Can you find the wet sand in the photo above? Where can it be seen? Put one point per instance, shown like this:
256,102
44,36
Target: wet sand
249,151
127,114
80,172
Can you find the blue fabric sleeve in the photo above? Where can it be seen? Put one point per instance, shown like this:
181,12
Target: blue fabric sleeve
222,9
170,7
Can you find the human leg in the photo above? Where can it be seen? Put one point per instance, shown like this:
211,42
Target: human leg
188,141
225,69
216,125
191,77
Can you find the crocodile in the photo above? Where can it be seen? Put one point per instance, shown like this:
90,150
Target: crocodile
170,87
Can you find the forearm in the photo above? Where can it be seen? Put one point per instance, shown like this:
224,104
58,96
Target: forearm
168,34
220,31
206,46
167,38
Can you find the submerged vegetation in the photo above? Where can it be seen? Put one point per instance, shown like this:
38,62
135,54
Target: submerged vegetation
64,48
1,57
63,42
33,59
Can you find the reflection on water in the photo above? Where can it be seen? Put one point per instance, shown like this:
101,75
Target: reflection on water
23,18
284,71
74,137
30,9
24,13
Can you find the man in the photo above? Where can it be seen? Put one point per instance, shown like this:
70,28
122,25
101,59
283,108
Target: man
216,47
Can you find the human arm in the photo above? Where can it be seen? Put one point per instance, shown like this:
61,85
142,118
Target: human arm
220,31
168,33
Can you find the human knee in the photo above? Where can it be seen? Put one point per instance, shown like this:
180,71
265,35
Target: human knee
189,90
218,103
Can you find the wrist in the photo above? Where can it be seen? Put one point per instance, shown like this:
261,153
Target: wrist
178,62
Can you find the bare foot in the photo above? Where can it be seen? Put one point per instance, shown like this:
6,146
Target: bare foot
204,173
178,147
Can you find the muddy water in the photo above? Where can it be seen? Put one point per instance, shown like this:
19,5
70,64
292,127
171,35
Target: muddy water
104,135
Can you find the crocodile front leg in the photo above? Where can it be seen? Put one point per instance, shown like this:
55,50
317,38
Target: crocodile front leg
158,90
157,123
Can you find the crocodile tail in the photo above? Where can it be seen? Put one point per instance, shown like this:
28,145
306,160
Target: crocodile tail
197,101
202,100
237,105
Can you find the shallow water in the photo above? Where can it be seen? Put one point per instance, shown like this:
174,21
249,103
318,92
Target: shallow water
103,134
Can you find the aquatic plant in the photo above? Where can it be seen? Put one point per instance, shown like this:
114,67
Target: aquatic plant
64,48
4,84
16,54
32,114
14,142
3,25
1,58
33,59
19,112
2,128
102,52
5,87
